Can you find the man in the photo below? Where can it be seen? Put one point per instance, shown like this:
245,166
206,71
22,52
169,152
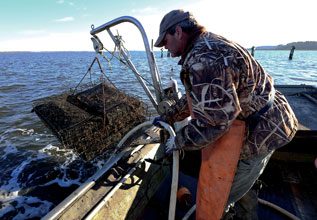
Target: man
224,84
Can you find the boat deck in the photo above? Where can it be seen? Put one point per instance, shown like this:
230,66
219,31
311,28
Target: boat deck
303,100
291,186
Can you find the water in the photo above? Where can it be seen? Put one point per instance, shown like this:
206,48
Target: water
36,172
301,70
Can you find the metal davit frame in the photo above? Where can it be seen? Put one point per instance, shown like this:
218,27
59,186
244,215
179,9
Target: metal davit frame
58,211
150,56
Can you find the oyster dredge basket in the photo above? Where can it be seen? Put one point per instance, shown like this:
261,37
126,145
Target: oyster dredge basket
94,120
91,121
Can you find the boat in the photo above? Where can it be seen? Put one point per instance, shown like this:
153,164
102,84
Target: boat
135,181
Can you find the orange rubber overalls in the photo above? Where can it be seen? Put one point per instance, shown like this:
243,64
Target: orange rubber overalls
217,170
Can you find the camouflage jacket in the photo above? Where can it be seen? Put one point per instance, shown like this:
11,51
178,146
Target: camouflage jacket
226,83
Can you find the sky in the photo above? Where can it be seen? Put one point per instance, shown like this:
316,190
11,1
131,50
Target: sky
64,25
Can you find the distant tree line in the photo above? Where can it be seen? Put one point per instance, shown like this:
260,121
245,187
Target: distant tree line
300,45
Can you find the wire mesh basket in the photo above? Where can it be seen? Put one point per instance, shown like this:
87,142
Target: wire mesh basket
91,121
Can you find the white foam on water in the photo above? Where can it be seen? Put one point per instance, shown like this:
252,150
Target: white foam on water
5,136
25,207
11,188
31,211
70,156
26,131
6,196
6,207
13,184
23,131
9,192
99,164
9,149
32,206
52,150
63,182
47,148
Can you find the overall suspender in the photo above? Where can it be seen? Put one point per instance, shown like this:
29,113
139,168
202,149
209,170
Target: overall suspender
253,119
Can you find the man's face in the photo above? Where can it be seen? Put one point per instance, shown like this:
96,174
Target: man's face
172,43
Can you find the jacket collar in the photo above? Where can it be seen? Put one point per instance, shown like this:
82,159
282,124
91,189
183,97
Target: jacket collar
190,44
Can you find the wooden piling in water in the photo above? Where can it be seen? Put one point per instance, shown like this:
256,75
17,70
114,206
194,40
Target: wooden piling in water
161,52
252,50
291,53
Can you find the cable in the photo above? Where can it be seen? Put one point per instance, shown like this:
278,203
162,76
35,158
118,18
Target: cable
279,209
190,212
261,201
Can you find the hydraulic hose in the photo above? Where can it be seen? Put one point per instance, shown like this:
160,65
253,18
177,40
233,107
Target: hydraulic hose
174,185
131,132
261,201
175,169
88,184
279,209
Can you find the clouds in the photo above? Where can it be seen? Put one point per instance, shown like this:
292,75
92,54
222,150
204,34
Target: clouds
65,19
32,32
63,1
248,22
145,11
75,41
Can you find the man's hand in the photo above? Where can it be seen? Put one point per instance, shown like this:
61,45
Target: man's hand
156,121
170,146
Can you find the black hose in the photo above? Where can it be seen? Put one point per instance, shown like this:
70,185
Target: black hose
279,209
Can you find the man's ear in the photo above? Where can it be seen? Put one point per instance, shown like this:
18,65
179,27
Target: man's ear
178,32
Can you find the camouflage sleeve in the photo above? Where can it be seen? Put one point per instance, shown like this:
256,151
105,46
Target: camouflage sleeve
215,103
